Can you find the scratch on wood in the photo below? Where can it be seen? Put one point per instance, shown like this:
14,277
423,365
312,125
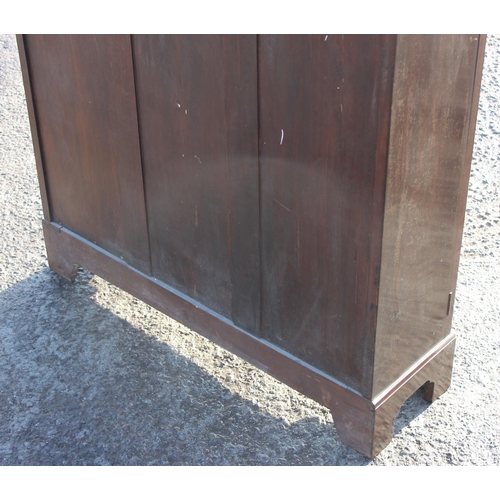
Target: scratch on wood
282,135
298,246
356,279
196,216
281,204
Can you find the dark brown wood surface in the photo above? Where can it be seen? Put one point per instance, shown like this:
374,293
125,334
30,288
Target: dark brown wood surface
309,190
324,122
425,198
83,90
197,102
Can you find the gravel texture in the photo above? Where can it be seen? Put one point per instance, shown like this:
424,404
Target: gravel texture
91,376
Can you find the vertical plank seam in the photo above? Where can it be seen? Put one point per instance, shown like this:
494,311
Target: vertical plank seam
146,212
229,191
259,174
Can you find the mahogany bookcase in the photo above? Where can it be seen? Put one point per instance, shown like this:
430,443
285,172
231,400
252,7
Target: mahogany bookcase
298,200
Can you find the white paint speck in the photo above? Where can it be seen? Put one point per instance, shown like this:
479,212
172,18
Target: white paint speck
197,158
178,105
186,111
326,38
282,135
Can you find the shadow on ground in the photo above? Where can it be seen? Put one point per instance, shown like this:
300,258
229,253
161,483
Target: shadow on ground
82,386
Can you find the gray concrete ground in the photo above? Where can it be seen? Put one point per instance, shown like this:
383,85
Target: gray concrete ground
91,376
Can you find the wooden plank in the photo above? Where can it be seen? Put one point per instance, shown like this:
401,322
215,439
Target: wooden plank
324,120
428,172
197,102
83,92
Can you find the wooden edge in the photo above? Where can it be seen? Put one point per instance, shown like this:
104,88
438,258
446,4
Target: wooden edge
481,48
34,126
467,161
406,377
378,206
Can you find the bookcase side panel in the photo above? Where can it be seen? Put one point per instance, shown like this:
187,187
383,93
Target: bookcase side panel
429,163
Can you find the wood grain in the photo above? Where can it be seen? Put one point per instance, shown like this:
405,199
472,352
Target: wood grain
425,198
323,138
197,101
84,97
303,196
